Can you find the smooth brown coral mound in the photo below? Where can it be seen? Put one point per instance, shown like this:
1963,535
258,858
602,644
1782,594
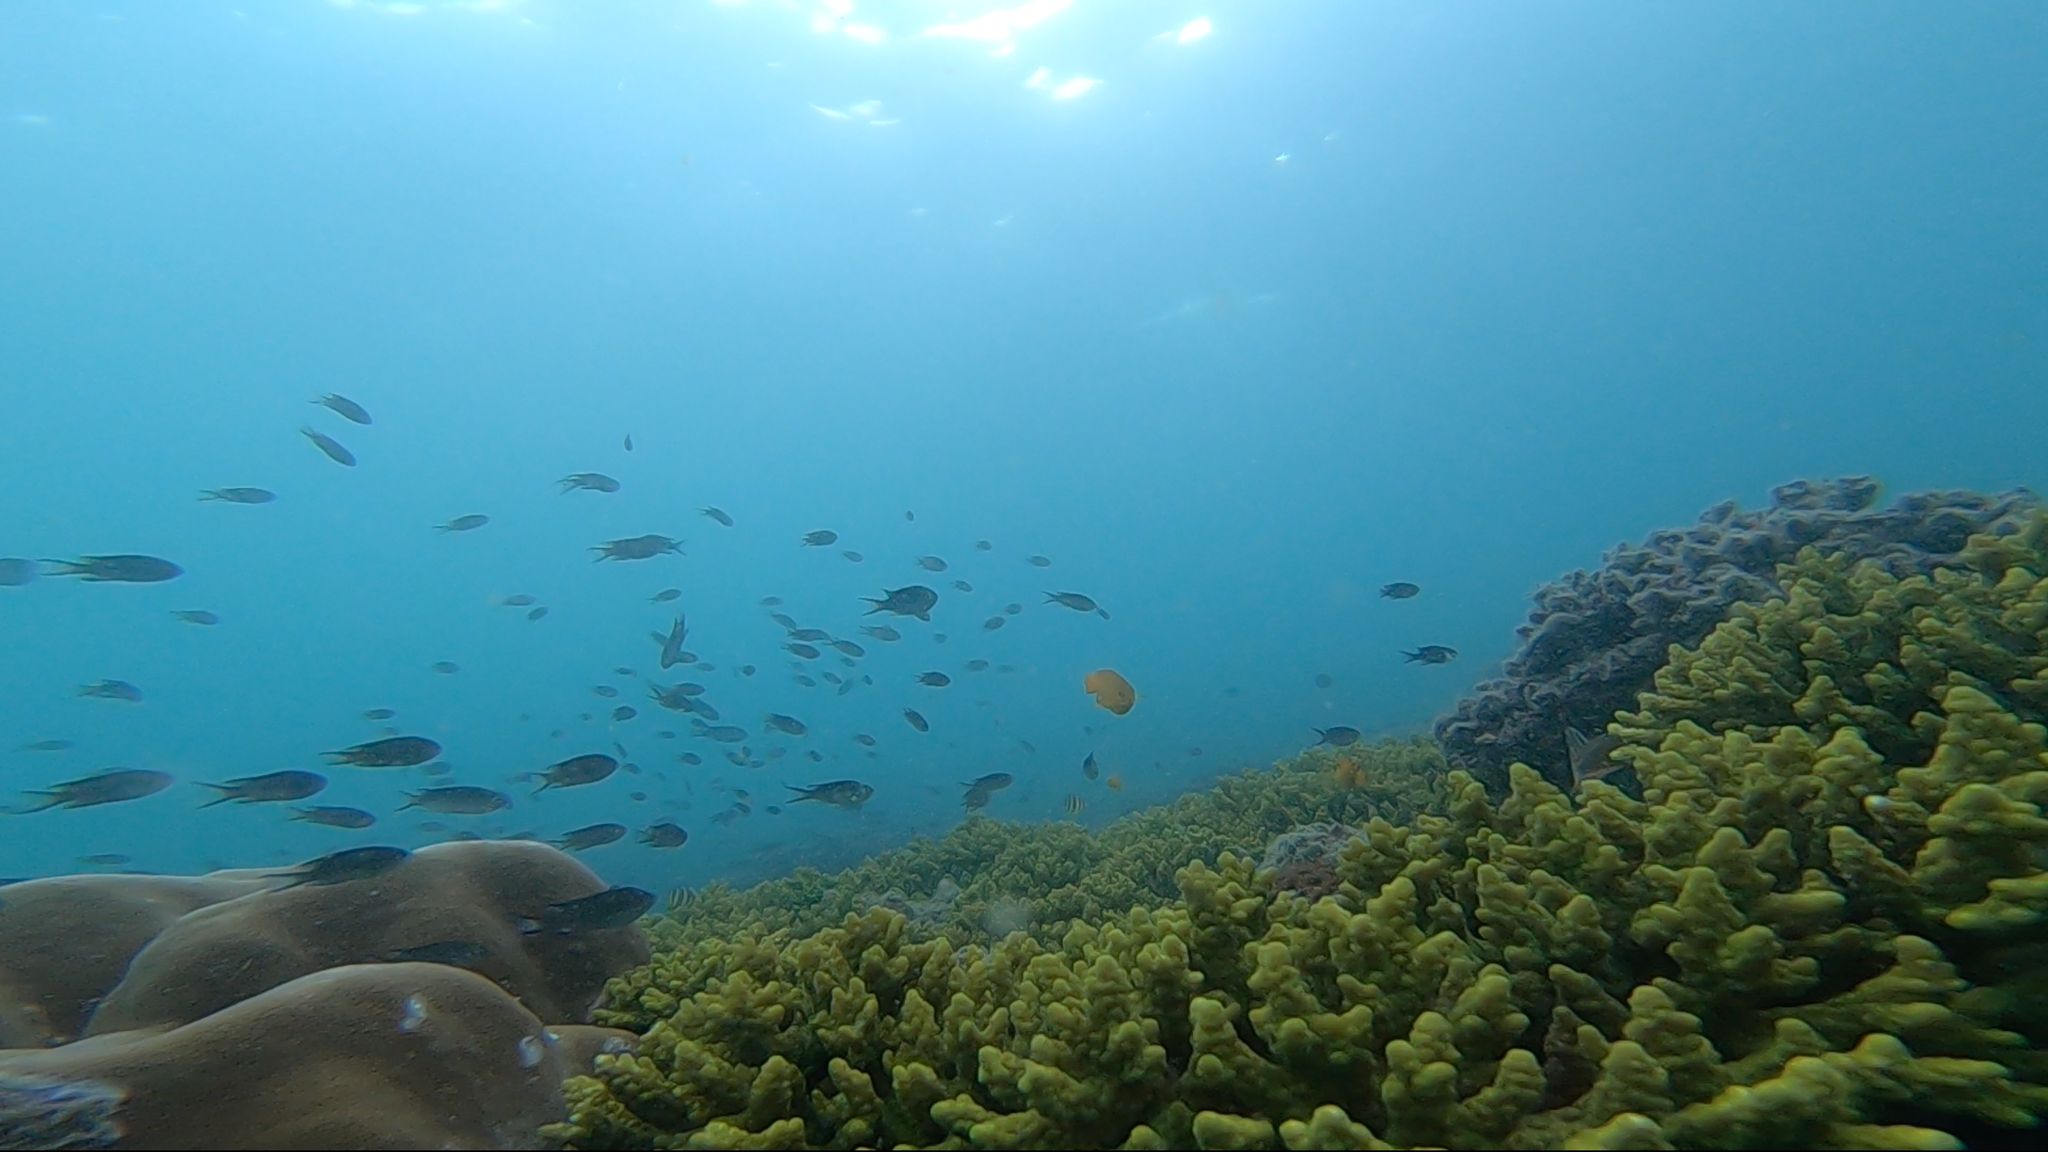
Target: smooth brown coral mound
366,1056
66,941
471,894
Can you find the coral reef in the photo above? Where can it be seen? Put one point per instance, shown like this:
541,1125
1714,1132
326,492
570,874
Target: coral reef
952,884
1594,639
243,1010
1819,926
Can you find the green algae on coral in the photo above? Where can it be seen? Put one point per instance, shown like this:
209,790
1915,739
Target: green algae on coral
1802,934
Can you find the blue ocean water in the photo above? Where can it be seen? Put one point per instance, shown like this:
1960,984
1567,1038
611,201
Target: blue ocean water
1293,301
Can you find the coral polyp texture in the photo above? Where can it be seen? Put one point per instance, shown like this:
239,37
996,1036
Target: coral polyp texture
1594,639
1820,925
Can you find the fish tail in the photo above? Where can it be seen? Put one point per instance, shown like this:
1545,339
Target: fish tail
66,568
227,792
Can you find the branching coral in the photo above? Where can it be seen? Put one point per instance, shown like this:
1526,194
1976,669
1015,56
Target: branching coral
1811,930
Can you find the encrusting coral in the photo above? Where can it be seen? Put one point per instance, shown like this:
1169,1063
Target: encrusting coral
1594,639
1819,926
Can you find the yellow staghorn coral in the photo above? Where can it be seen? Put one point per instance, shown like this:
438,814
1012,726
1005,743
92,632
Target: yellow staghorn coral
1820,925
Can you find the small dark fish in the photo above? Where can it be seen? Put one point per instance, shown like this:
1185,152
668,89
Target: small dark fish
344,866
910,600
934,679
976,665
665,595
119,568
380,713
723,733
1088,767
55,745
820,538
623,713
611,908
853,556
540,613
916,719
1074,600
690,758
270,787
771,601
804,650
1039,561
239,495
665,834
838,793
575,771
788,725
993,623
882,632
1339,736
1590,756
785,619
332,447
469,523
457,800
962,586
1399,590
849,648
717,514
810,635
335,816
629,441
938,637
1431,654
1324,680
196,616
519,600
391,752
645,547
864,740
110,787
931,563
592,836
437,768
453,953
984,546
446,667
343,407
106,859
636,796
588,482
112,690
773,809
981,788
672,644
1012,609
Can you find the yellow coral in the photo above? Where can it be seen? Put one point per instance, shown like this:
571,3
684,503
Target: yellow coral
1809,918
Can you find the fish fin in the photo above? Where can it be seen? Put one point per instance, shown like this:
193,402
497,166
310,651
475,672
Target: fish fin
227,792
